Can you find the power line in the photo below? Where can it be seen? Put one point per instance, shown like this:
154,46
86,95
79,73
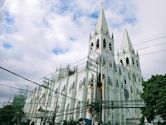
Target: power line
61,111
152,46
32,91
117,54
37,83
71,112
80,60
13,87
21,76
53,90
153,52
152,38
72,109
46,87
145,41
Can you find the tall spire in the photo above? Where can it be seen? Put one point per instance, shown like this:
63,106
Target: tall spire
126,43
101,22
102,4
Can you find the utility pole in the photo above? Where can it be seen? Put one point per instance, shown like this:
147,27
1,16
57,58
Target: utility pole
96,106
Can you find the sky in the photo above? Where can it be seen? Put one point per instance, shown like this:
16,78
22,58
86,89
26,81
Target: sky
36,36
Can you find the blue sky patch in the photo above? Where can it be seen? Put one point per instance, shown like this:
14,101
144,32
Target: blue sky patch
122,11
59,51
7,23
116,25
62,7
94,15
130,20
8,18
77,15
7,45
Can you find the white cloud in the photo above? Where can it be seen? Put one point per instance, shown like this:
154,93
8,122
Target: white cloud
38,30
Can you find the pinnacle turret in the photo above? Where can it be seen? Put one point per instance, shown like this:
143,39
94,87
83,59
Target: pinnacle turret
126,43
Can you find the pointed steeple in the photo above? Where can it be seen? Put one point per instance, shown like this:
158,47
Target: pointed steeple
101,22
126,43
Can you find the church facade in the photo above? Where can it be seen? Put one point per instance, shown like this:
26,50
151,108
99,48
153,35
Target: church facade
108,77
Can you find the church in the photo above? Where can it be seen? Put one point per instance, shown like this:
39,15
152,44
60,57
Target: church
89,93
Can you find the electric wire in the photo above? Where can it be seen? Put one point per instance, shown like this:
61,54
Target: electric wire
136,43
153,52
37,83
32,91
145,41
69,113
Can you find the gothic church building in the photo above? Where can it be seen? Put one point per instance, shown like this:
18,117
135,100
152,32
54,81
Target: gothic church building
71,94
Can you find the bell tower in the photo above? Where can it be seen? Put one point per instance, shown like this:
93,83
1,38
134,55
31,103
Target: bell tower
101,51
100,41
128,57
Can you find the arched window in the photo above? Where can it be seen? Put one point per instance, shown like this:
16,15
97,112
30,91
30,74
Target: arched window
126,94
103,76
121,62
120,73
127,61
133,61
104,43
91,45
91,79
139,79
104,62
137,63
56,91
110,46
110,64
117,84
134,77
109,81
97,44
131,89
124,80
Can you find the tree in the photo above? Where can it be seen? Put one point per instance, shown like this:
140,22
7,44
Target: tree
18,101
6,115
13,113
154,95
18,104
